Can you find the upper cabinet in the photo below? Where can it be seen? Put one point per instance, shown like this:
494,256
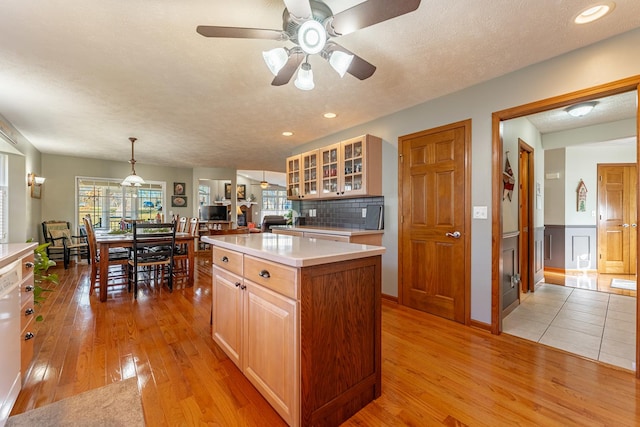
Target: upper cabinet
351,168
302,176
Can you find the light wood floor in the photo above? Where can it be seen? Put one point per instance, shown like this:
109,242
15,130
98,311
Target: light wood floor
434,372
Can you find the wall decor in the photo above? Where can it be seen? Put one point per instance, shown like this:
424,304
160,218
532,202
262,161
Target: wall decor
179,201
582,197
179,189
508,179
241,191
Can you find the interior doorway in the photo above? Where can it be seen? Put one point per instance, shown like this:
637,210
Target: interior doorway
626,85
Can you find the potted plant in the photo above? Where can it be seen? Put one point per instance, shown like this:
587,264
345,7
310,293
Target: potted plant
42,263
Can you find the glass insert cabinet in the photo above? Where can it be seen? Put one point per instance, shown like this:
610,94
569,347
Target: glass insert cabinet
350,168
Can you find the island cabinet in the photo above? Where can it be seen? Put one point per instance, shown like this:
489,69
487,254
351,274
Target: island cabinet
308,336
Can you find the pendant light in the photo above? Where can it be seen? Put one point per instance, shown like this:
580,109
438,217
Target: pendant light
132,180
264,184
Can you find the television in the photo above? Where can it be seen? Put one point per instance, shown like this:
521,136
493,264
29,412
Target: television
213,213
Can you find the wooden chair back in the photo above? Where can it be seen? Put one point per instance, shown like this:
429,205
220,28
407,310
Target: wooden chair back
194,226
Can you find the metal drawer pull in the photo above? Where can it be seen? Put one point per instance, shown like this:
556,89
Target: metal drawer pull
264,274
29,264
237,284
224,259
243,287
28,288
28,312
28,336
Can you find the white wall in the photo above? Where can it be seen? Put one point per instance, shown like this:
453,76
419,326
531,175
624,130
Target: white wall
610,60
582,163
512,130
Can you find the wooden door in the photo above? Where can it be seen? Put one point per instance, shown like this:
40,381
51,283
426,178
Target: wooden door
526,200
617,222
434,233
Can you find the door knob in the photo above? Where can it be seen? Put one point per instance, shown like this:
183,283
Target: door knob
455,234
625,225
634,225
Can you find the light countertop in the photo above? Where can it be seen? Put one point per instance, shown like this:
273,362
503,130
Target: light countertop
327,230
10,252
291,250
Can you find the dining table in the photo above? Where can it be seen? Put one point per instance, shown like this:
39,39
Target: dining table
125,240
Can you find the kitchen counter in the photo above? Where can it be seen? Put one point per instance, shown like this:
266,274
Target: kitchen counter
336,234
293,251
339,231
10,252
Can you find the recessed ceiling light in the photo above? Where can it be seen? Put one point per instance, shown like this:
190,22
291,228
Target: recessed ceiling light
330,115
287,133
594,13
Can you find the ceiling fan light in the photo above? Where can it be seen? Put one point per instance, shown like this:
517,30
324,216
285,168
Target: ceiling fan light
312,37
340,61
264,185
582,109
304,81
275,59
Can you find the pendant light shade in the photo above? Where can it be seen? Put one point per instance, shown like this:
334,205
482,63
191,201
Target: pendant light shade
264,184
304,81
132,180
340,61
275,59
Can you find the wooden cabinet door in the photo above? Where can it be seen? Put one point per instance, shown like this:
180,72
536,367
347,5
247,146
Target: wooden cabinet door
293,177
270,347
227,313
329,169
309,175
352,167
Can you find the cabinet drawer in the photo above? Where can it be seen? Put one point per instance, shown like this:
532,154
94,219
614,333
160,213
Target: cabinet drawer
229,260
26,350
27,265
26,314
276,277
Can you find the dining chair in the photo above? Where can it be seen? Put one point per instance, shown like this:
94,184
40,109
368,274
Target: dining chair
152,253
182,225
181,256
63,243
117,256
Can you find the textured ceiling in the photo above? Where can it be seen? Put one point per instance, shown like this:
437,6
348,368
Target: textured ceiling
78,78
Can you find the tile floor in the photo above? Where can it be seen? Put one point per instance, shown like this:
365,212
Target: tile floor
592,324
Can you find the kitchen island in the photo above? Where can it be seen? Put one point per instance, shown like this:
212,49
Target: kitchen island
301,319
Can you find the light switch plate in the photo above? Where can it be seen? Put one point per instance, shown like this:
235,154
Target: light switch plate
364,212
480,212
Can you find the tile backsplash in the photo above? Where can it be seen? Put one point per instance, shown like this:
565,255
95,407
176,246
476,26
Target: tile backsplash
337,213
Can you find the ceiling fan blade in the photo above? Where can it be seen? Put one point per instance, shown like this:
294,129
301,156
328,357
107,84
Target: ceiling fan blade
298,8
285,74
369,13
358,68
241,33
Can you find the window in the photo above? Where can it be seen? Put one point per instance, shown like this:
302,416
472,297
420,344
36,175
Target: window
4,196
204,194
274,202
110,205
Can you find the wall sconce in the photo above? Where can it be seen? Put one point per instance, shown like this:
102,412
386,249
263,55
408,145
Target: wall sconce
32,179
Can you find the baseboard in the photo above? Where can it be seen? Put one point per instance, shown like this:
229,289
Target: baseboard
480,325
390,298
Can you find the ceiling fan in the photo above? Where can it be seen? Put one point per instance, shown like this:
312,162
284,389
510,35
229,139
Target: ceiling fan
310,25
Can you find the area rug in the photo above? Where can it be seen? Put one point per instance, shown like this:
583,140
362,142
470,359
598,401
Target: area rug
116,404
623,284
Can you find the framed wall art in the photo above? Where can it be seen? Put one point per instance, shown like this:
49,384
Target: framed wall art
241,191
179,189
179,201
